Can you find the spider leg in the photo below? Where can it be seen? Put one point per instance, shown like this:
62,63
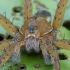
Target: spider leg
59,14
16,54
27,14
27,10
53,55
4,44
46,55
8,52
65,44
11,29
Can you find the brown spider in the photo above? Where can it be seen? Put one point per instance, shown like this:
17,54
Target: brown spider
36,34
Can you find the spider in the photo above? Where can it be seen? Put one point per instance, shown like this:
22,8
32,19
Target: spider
36,35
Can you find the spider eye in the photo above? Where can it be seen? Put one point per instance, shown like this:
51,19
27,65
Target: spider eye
32,29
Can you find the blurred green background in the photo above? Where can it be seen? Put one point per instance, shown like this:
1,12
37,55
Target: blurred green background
6,6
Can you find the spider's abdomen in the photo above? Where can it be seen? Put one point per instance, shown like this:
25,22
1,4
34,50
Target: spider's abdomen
44,13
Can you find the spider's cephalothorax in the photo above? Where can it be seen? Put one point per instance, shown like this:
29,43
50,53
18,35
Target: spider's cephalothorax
35,35
32,37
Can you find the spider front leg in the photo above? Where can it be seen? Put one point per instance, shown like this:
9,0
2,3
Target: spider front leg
8,52
4,44
64,44
27,10
50,55
11,29
57,22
